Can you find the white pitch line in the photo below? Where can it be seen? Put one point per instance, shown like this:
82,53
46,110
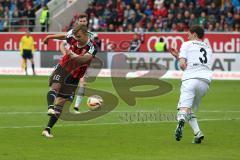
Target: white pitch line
117,123
163,111
140,111
14,113
217,111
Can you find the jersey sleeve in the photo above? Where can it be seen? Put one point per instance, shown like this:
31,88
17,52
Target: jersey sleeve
183,51
91,35
69,36
92,49
69,33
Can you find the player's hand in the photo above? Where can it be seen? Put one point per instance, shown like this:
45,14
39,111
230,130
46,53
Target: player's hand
45,40
174,52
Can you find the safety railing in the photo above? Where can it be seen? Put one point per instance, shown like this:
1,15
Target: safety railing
25,24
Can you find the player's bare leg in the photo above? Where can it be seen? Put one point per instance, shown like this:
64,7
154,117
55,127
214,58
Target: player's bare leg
80,95
24,65
33,66
58,107
51,96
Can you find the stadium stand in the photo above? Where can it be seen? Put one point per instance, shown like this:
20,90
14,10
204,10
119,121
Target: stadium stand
162,15
133,15
18,15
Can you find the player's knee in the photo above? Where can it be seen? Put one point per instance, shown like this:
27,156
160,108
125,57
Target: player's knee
56,87
60,101
185,109
184,113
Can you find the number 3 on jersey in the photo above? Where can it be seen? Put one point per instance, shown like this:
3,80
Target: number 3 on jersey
204,55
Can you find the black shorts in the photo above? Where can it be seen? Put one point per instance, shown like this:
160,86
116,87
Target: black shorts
27,54
68,83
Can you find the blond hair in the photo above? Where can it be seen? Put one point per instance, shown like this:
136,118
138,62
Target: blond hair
78,28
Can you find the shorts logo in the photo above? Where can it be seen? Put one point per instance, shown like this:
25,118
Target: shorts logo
56,77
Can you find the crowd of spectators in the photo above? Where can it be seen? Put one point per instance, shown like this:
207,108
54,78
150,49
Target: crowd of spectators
17,13
162,15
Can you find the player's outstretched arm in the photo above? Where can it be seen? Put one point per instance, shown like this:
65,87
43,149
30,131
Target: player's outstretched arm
62,47
55,36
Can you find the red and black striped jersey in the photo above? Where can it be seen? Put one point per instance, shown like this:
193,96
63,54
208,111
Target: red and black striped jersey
70,64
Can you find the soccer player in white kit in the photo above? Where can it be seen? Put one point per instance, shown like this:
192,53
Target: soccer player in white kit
195,58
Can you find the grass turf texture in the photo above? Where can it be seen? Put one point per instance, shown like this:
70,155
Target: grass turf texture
112,137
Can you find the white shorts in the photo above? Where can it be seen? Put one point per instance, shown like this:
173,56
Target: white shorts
192,91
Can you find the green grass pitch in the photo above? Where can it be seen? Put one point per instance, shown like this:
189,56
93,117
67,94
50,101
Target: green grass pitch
111,137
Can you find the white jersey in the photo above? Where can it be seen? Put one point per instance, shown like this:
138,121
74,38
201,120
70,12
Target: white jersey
198,57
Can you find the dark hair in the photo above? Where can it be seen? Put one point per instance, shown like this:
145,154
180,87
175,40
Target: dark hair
78,28
83,15
198,30
161,40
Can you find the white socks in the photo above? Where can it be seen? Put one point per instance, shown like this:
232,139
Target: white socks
78,101
194,124
191,118
181,115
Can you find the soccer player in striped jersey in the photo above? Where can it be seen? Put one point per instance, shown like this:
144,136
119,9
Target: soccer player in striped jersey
83,20
64,80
